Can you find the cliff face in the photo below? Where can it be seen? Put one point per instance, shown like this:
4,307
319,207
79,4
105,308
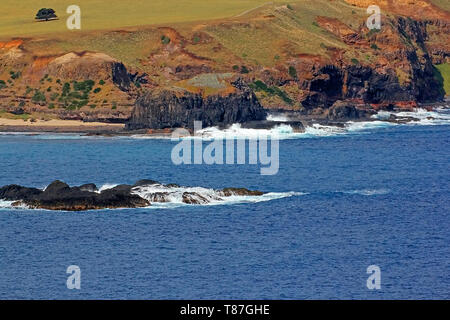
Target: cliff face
288,59
403,72
172,108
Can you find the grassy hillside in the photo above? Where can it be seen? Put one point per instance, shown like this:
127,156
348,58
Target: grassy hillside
18,16
444,70
291,29
249,36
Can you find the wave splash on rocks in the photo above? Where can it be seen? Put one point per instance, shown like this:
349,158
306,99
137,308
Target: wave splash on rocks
144,193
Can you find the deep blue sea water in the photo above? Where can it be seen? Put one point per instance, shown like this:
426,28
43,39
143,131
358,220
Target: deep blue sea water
377,197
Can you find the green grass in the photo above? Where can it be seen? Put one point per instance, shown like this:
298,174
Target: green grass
258,85
444,70
290,31
18,16
8,115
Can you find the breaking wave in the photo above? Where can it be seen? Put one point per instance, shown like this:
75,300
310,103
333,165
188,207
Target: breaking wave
106,186
164,196
283,131
367,192
441,116
9,205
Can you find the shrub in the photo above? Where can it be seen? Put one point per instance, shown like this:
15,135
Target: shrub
75,95
244,69
101,82
38,97
97,90
84,86
292,72
165,40
355,61
15,75
65,89
374,46
372,32
258,85
53,96
2,84
82,103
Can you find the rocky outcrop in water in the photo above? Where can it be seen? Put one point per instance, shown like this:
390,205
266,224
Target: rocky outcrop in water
341,110
173,108
60,196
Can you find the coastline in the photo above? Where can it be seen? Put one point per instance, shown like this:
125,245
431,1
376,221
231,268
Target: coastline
299,123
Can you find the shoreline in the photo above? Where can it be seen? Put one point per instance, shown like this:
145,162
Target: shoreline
59,126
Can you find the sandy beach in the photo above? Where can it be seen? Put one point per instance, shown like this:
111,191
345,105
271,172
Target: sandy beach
19,125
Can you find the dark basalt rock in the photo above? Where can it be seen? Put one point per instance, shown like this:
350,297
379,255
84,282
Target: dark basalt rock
60,196
145,182
372,85
241,192
56,187
297,126
344,111
121,77
88,187
194,198
15,192
174,109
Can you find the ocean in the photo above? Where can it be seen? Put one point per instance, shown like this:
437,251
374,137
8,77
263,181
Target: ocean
344,199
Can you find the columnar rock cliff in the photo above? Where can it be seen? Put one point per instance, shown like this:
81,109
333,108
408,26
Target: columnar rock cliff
180,108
